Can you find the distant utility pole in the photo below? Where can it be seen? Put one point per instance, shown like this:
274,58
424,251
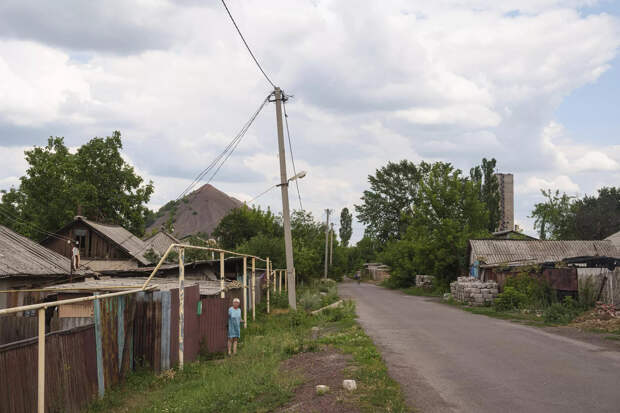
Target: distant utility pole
286,217
331,247
327,212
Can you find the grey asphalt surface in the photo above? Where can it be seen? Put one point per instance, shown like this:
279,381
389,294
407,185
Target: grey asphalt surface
449,360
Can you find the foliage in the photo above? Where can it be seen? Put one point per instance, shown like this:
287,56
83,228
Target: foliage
243,223
538,293
392,192
346,229
562,313
95,179
483,177
448,212
510,299
564,217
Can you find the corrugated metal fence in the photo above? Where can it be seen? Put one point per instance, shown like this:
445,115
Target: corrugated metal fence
129,331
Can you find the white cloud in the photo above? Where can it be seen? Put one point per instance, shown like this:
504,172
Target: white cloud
450,80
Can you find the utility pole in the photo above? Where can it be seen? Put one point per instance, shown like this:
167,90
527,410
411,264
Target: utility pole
331,247
286,217
327,211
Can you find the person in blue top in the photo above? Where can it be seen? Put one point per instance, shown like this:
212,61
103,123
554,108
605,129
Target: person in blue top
234,326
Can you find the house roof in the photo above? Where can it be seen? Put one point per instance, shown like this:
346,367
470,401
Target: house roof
509,251
125,240
507,233
160,242
615,239
207,287
20,256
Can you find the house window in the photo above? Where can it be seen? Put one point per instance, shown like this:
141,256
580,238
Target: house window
80,237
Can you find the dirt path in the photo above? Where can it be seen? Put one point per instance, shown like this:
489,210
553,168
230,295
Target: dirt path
447,359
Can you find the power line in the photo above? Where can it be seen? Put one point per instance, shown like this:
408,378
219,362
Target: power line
246,45
261,194
225,154
33,226
290,146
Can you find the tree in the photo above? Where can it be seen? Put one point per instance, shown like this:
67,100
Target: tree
484,177
555,217
346,229
392,191
243,223
597,217
448,212
96,180
563,217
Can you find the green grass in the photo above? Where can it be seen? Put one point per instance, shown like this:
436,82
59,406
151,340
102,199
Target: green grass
251,381
529,317
422,292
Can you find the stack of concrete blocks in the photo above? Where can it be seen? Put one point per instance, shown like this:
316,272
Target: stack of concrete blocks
472,291
424,281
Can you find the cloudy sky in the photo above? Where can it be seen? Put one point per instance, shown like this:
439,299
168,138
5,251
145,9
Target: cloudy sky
533,83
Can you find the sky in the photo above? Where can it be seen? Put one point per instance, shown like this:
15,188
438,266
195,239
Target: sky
532,83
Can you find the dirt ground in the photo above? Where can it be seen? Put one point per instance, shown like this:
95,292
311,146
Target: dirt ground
322,367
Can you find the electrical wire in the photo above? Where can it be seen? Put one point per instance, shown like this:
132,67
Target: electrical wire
225,154
290,146
246,45
33,226
261,194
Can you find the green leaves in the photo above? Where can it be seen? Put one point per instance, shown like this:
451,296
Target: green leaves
96,179
346,229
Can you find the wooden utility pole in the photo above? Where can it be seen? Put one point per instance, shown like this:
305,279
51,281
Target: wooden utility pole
331,247
327,212
286,215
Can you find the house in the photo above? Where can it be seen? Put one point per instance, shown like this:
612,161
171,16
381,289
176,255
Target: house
560,263
511,234
102,246
24,264
615,239
160,242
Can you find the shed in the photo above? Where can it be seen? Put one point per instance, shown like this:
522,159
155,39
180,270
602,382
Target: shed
102,246
506,252
26,264
160,242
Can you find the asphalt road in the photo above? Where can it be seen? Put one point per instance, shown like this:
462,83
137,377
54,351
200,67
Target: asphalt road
449,360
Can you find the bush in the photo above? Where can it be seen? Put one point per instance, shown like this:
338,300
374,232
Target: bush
562,313
587,293
537,292
310,300
510,299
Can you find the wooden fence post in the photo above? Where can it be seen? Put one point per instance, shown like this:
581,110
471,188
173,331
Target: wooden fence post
222,294
41,368
181,305
253,288
245,291
268,270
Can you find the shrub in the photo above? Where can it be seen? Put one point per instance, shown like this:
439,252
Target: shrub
562,313
510,299
310,301
537,292
587,293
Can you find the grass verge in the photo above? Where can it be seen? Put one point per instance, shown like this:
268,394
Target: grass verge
251,381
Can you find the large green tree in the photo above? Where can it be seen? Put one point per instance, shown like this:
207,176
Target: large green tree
243,223
563,217
346,226
483,176
448,212
96,180
392,192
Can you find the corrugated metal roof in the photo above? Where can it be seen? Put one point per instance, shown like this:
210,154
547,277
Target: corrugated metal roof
507,251
125,239
207,287
22,256
615,239
160,242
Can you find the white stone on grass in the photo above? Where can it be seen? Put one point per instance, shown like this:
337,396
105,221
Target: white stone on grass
321,389
350,385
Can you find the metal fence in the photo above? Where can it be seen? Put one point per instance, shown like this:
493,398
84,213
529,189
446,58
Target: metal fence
132,328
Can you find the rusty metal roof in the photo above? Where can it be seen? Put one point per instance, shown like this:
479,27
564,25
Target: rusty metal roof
20,256
507,251
160,242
